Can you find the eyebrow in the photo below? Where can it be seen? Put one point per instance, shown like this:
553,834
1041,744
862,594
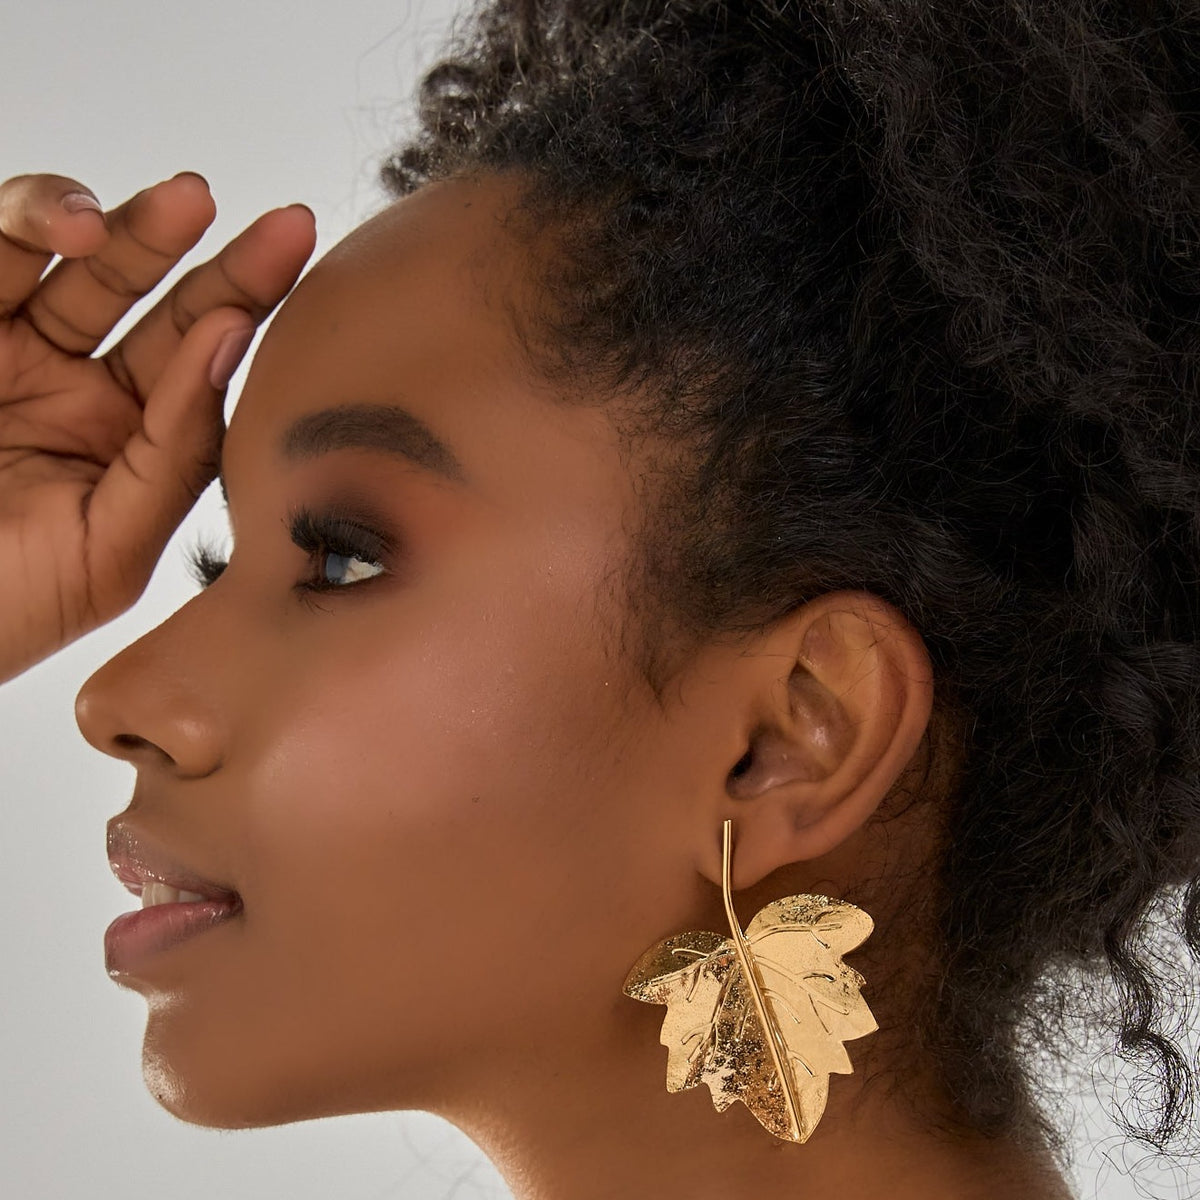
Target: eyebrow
383,427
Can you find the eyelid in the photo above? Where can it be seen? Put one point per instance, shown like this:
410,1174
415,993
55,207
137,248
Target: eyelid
309,526
346,528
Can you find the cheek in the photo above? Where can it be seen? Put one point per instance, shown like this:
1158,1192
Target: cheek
419,812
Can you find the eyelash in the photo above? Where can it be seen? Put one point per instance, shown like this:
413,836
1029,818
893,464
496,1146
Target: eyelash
318,534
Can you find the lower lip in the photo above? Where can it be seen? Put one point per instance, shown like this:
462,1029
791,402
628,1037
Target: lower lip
134,937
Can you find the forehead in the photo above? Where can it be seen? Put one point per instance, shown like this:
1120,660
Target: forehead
432,270
415,308
449,243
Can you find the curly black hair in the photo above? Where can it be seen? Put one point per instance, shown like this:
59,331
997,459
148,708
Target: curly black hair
916,284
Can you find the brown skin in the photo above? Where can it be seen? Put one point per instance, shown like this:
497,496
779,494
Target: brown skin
456,815
101,458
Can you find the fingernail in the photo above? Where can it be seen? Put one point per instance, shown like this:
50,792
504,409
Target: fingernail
75,202
230,351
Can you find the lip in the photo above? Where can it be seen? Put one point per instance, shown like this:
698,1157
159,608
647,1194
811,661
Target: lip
135,938
136,860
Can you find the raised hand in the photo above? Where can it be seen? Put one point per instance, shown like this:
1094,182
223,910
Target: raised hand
102,458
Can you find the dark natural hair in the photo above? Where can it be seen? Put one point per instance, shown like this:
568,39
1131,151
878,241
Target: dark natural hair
916,283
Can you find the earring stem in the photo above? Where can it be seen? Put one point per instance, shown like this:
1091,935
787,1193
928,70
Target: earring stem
751,976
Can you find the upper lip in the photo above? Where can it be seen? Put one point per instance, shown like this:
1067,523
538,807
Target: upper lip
137,860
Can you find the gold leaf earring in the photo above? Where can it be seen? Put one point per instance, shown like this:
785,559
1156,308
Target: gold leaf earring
761,1016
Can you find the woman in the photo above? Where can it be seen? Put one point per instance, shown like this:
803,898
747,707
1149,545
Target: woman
771,415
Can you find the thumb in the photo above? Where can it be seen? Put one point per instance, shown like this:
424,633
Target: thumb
164,467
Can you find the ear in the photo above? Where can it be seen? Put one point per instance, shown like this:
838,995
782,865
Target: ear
834,700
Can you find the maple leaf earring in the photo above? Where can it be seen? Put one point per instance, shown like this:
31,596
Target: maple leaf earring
761,1016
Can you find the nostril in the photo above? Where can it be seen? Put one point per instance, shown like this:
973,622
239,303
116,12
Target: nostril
741,766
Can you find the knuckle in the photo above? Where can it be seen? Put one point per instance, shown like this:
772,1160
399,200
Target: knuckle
119,369
252,303
59,328
183,316
130,232
113,278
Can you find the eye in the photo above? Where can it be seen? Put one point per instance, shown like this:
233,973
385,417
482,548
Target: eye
337,544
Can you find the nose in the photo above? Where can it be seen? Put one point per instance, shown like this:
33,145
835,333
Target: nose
149,704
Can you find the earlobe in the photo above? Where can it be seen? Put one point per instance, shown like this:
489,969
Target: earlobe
846,691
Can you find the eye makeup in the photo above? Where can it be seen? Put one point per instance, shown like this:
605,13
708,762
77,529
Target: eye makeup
330,532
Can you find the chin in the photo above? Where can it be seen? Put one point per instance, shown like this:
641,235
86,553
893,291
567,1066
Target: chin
194,1089
213,1078
199,1103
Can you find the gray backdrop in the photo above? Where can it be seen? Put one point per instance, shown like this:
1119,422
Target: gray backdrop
273,102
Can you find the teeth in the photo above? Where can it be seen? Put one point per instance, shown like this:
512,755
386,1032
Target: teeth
162,893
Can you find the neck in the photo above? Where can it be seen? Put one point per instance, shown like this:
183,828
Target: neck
590,1120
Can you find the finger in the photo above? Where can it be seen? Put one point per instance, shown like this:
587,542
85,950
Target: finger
253,272
78,303
36,224
163,468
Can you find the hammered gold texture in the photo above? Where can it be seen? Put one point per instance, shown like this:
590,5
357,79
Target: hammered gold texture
811,999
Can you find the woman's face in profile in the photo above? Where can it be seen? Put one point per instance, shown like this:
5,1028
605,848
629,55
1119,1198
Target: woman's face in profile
432,785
